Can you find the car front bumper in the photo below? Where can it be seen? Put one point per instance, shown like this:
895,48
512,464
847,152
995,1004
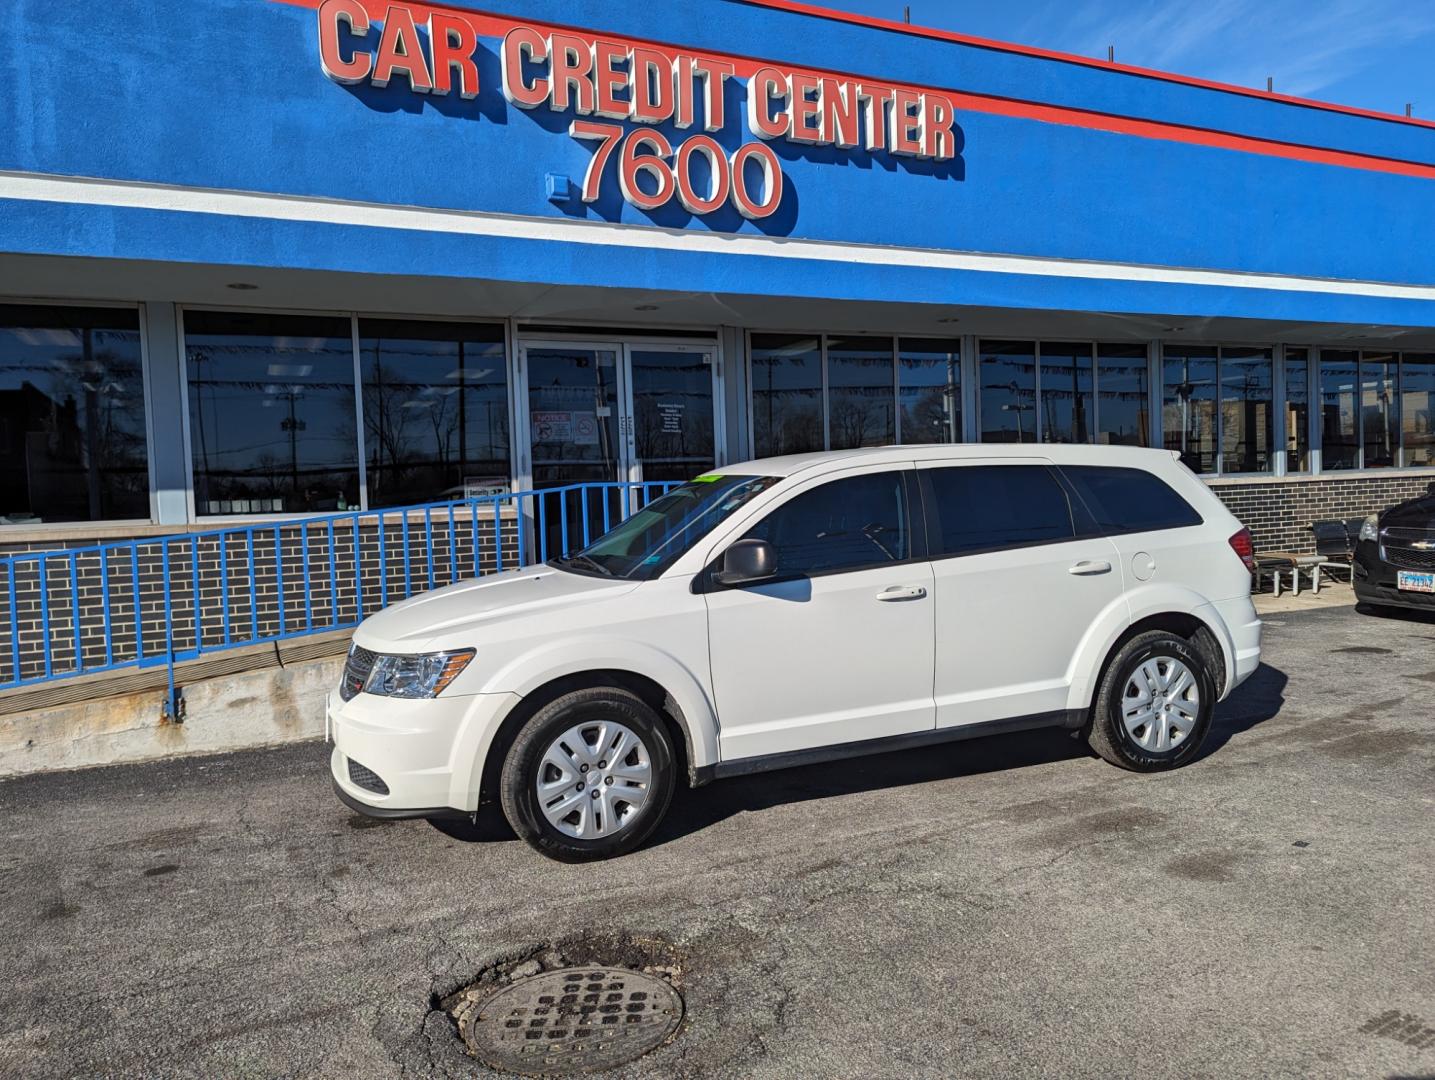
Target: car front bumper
1376,581
422,758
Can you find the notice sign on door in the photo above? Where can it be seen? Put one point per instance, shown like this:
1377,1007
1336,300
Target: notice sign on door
672,417
585,429
552,426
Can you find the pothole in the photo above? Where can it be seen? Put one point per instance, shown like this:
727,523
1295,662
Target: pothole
582,1006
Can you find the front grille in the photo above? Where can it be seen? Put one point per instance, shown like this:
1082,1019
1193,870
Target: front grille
356,671
367,778
1406,548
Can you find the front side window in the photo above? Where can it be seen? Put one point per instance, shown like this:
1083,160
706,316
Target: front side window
989,507
72,416
1129,500
271,413
850,524
652,539
435,410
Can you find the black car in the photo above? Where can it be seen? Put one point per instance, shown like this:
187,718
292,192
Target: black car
1395,556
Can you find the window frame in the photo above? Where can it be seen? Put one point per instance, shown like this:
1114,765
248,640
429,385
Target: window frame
932,511
353,317
916,525
22,533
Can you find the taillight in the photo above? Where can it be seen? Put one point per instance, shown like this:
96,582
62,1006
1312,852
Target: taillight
1245,547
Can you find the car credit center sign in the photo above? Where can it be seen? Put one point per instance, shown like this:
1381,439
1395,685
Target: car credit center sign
599,80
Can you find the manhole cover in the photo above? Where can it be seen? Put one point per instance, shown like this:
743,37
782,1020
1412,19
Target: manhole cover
572,1020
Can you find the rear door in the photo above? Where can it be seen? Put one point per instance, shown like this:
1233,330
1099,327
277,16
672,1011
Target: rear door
1017,588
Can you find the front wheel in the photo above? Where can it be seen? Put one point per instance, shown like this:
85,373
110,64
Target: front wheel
589,776
1154,705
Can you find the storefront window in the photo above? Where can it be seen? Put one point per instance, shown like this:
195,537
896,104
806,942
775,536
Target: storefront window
1007,381
72,416
1297,406
1339,412
435,410
1380,410
786,394
861,395
1417,401
1247,426
1066,392
271,413
929,371
1121,383
1188,404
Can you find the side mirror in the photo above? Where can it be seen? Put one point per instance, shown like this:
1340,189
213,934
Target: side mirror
747,562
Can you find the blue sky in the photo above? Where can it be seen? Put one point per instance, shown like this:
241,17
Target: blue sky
1374,54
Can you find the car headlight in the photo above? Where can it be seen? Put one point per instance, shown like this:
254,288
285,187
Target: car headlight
1370,529
421,676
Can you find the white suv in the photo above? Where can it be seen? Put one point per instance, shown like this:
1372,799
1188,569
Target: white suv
800,609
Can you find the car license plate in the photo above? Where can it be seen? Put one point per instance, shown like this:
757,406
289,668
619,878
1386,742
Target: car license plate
1410,581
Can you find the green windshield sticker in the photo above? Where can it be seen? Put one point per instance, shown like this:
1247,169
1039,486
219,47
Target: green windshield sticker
708,479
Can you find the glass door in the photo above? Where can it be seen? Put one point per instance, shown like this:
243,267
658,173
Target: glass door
603,412
673,418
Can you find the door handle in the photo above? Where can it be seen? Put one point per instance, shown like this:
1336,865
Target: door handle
902,592
1088,567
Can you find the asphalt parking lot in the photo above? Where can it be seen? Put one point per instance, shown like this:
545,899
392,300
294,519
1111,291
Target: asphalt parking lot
1005,907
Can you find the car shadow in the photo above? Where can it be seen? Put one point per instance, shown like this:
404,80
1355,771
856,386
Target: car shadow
1257,700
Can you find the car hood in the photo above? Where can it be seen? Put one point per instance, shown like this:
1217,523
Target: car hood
413,624
1415,514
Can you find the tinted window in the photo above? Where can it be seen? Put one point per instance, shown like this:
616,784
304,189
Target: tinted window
1129,500
980,507
843,525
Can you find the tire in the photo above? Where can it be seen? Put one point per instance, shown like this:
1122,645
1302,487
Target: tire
546,752
1173,735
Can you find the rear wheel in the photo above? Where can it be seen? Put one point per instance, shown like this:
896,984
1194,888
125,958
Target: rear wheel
589,776
1154,705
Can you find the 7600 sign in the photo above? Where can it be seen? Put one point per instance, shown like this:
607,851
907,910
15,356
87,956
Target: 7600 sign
670,171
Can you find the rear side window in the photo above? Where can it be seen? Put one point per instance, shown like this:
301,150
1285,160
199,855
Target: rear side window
1129,500
849,524
985,507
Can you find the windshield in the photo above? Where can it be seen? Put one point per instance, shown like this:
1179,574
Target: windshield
650,541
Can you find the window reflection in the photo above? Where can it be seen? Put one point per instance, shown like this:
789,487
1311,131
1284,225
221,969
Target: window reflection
271,413
1380,410
1297,406
1247,428
1125,415
1417,402
786,394
1007,373
72,416
1066,391
860,392
930,390
1188,404
1339,373
435,410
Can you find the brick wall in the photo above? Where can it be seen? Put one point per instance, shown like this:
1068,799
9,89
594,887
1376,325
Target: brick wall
1279,512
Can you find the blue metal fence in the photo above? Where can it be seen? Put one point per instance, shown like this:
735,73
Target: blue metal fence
158,601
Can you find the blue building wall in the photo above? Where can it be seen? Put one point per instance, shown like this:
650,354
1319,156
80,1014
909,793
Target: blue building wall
228,94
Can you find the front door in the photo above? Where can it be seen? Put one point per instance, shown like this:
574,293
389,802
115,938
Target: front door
840,648
604,412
